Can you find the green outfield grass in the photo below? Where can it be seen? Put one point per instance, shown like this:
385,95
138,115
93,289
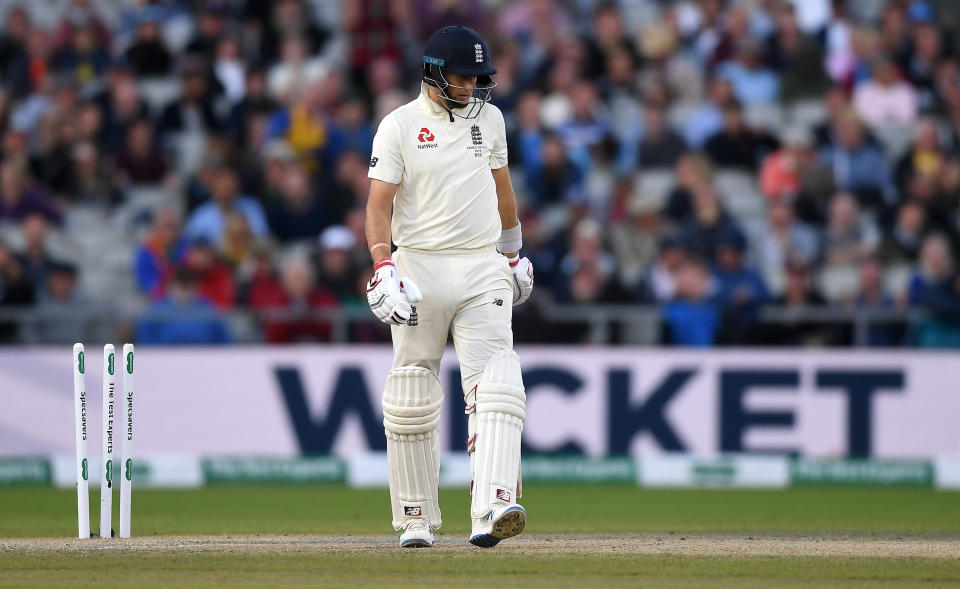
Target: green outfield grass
42,512
319,510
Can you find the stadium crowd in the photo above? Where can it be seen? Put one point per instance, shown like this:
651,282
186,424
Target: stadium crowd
710,157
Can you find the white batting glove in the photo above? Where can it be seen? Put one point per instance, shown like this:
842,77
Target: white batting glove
522,278
389,295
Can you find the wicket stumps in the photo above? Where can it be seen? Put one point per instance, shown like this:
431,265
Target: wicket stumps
111,426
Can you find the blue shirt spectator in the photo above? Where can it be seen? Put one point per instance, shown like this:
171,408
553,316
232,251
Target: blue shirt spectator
207,221
182,318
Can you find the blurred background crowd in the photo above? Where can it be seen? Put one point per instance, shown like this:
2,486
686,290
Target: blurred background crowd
750,172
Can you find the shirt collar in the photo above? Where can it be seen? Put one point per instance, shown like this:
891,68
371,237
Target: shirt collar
428,104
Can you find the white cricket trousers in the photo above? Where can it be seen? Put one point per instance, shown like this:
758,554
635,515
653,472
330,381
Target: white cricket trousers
466,292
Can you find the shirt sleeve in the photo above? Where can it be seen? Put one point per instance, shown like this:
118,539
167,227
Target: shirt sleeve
498,151
386,159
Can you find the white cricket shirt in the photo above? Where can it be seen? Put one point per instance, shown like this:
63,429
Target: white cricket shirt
447,197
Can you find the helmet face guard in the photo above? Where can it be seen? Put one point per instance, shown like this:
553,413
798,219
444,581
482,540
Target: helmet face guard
470,108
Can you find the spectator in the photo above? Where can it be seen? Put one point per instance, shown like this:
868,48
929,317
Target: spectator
140,162
924,158
215,282
660,146
783,172
936,289
635,240
858,166
18,199
89,179
298,213
238,247
182,317
210,28
62,306
295,71
738,146
740,290
255,102
708,118
784,241
659,283
588,271
16,289
885,99
160,254
13,51
230,69
194,111
692,171
84,58
148,55
35,259
753,83
902,243
291,18
707,223
796,57
289,306
692,317
80,14
335,273
208,220
848,238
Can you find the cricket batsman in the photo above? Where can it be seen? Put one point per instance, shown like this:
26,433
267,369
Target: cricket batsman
440,190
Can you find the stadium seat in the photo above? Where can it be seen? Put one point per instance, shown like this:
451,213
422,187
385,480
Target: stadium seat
837,283
765,116
895,139
656,183
807,113
740,195
159,92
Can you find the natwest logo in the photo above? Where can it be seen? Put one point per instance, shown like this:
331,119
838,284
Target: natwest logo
425,135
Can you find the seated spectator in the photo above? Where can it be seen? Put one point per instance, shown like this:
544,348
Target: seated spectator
783,172
781,241
635,240
303,124
299,213
858,166
740,290
255,102
230,69
335,273
707,224
208,220
213,278
351,131
738,146
924,158
848,238
89,180
140,162
18,198
239,247
210,27
659,284
936,288
84,58
588,260
295,70
797,58
692,317
902,243
753,82
288,305
692,170
553,178
16,289
872,294
737,284
35,259
160,254
707,119
885,98
62,305
799,293
587,127
148,55
660,146
182,317
194,112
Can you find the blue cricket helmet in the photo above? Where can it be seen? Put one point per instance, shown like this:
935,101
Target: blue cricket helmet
460,50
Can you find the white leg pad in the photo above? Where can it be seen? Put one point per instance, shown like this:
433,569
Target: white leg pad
500,411
412,402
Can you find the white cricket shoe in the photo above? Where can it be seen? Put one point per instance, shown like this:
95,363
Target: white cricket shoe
502,522
416,533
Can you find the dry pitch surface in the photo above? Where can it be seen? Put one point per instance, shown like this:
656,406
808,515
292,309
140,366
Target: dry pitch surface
738,545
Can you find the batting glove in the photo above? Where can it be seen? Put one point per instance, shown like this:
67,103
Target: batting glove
389,295
522,278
